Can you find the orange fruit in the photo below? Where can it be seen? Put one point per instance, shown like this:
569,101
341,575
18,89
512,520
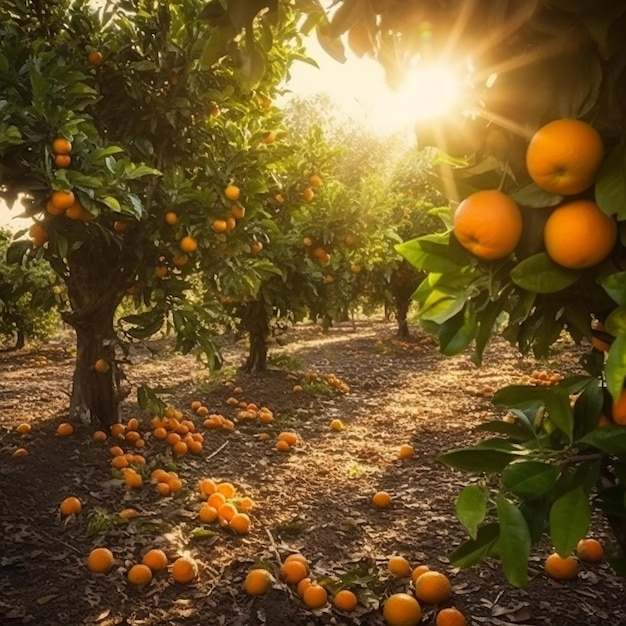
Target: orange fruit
160,271
337,425
20,452
207,514
133,424
76,211
315,180
133,479
561,568
289,437
256,247
188,244
418,571
216,500
139,574
159,433
117,430
488,224
180,260
173,439
293,571
399,566
237,211
345,600
24,428
195,447
120,226
184,570
65,429
61,145
257,582
232,192
62,160
95,58
116,451
226,488
99,436
180,448
171,218
381,500
279,198
402,609
50,208
282,446
301,587
298,557
132,436
155,559
590,550
119,462
219,226
207,486
227,511
100,560
308,194
101,366
579,234
315,596
128,513
618,412
245,504
406,451
71,505
564,156
164,489
240,523
450,617
62,199
433,588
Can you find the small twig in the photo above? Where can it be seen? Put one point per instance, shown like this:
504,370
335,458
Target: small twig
273,545
216,452
57,540
583,457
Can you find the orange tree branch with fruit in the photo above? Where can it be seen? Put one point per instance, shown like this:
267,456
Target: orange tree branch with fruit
122,134
536,242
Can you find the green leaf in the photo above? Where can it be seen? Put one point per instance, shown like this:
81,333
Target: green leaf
533,196
610,187
611,439
514,543
476,550
517,431
457,333
540,274
520,396
471,508
149,401
530,479
569,520
16,251
477,460
437,259
616,322
253,65
615,286
560,411
216,46
616,366
112,203
535,513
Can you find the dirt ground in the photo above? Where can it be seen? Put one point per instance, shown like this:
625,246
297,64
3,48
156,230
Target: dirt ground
315,499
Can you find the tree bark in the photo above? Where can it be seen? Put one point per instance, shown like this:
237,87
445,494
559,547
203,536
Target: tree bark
20,342
95,397
256,322
402,312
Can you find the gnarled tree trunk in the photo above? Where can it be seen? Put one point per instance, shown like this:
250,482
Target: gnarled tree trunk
404,281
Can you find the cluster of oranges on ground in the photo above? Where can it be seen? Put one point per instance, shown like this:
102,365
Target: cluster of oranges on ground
563,158
426,586
541,378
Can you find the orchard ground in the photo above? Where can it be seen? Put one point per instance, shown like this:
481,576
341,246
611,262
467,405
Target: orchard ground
315,499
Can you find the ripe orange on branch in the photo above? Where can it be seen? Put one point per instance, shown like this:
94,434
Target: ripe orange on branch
488,224
564,156
61,145
579,234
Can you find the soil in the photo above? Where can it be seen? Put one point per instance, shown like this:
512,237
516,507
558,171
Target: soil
315,499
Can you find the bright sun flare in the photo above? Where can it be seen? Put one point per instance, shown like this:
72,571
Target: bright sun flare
430,92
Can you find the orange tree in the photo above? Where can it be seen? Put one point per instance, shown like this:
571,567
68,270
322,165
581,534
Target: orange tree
27,300
536,243
122,131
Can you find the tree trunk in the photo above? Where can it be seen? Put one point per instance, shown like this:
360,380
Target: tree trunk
256,322
402,311
96,394
20,342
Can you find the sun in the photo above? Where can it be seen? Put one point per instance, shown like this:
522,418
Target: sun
430,92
